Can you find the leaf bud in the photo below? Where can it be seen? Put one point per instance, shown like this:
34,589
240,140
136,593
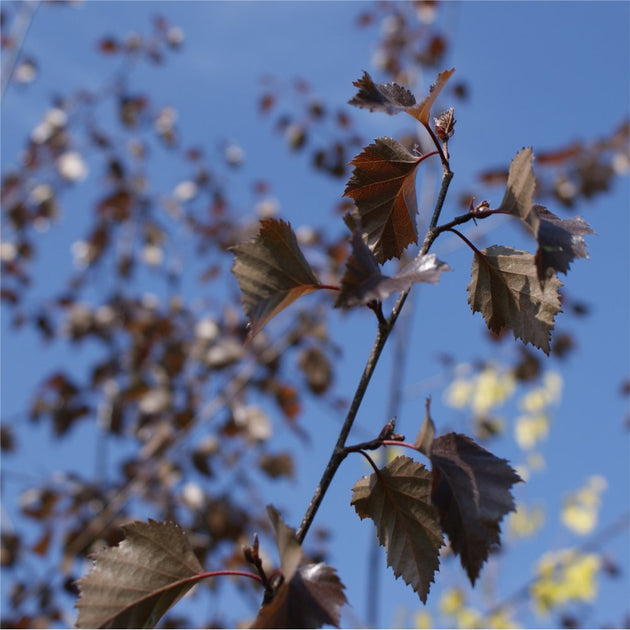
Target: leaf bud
445,125
251,553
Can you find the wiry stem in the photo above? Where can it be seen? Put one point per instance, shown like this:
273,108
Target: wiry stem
339,453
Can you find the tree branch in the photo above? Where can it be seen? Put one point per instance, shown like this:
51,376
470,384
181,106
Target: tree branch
339,453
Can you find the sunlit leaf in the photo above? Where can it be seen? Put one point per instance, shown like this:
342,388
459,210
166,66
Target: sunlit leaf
393,98
471,491
425,268
134,584
426,435
309,596
272,272
397,500
521,183
289,548
504,287
311,599
363,281
560,241
422,112
383,186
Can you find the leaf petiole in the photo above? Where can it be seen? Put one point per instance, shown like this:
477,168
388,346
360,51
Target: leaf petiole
233,573
469,243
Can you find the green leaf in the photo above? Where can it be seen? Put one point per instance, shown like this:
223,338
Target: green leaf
383,186
363,281
397,500
471,491
504,287
272,272
134,584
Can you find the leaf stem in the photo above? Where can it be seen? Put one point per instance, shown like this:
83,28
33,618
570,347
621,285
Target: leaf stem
377,307
402,443
339,453
438,146
233,573
464,218
370,462
466,241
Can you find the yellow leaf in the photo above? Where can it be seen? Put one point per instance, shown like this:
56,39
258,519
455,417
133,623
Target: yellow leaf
581,508
565,576
526,521
423,620
531,429
500,620
459,393
451,602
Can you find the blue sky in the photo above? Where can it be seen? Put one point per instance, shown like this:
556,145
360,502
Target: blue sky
540,74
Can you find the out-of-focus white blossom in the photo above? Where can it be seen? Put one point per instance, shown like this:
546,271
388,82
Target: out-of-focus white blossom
185,191
234,155
8,251
267,207
72,166
54,119
152,255
207,329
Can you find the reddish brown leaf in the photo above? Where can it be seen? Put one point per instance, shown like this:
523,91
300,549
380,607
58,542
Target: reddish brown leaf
271,272
560,241
42,545
422,112
277,466
288,399
309,596
397,500
317,369
426,435
390,98
383,186
289,548
108,45
521,183
504,287
471,490
311,599
363,281
393,98
134,584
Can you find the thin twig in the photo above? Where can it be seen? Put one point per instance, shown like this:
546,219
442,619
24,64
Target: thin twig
22,23
464,218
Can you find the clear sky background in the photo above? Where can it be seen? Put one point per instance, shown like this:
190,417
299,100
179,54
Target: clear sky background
540,74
